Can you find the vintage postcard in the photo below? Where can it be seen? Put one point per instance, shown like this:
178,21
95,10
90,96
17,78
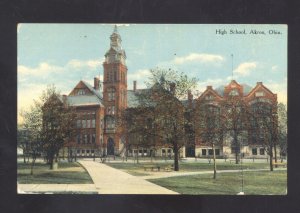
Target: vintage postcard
173,109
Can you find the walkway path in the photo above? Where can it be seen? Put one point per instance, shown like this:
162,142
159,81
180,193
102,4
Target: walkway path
113,181
158,175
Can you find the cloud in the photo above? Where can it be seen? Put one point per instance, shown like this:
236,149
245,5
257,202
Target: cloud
245,69
90,64
279,88
43,69
139,76
200,58
274,68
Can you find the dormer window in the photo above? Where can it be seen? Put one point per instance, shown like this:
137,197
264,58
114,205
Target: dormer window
209,97
81,92
259,94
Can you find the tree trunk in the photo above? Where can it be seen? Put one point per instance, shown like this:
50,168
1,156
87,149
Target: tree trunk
235,142
214,158
271,157
50,159
275,153
32,165
176,163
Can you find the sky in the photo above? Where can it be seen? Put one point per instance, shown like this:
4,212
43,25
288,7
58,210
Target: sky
64,54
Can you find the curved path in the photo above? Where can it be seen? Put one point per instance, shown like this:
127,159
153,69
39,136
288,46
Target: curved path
113,181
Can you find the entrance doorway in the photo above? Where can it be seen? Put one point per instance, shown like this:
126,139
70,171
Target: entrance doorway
110,146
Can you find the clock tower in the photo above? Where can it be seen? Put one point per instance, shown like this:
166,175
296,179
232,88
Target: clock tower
114,92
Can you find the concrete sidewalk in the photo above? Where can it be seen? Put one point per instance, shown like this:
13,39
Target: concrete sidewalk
113,181
57,188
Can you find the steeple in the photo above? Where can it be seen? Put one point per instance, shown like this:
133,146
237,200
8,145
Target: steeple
115,39
115,52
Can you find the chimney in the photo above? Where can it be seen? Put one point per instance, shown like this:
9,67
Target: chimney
209,87
190,98
259,83
134,86
96,83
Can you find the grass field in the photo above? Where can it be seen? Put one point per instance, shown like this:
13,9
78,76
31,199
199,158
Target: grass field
138,169
255,183
67,173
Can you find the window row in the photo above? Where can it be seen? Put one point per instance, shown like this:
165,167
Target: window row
261,151
210,152
83,138
86,123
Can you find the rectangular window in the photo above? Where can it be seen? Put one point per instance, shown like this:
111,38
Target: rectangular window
78,123
210,152
203,151
88,138
93,138
113,110
254,151
88,122
78,151
262,151
217,151
78,138
87,151
93,123
82,151
85,138
92,151
234,149
163,151
84,123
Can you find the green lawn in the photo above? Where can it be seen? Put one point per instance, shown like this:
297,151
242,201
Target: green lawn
67,173
255,183
134,168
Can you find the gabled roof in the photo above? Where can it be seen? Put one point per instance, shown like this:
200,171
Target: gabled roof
95,98
246,89
95,92
84,100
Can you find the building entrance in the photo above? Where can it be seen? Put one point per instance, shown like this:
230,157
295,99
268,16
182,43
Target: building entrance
110,146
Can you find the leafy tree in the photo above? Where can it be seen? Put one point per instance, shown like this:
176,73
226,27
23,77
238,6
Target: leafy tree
58,123
212,129
238,122
266,128
33,126
282,129
166,89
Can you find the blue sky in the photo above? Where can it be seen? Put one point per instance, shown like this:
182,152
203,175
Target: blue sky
64,54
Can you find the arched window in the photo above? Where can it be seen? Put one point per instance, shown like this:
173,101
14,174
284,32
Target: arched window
111,93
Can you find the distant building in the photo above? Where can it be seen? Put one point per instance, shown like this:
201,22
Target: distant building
97,109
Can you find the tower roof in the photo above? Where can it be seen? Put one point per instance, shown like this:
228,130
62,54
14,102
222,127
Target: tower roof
116,29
